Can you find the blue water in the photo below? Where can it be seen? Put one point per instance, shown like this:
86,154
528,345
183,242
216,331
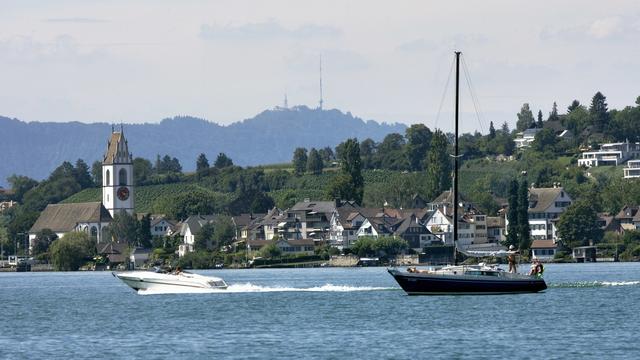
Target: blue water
590,311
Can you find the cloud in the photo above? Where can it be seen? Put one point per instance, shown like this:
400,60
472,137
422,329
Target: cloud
458,41
607,28
266,30
76,20
63,48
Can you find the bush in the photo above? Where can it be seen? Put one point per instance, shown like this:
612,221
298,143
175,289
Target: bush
71,251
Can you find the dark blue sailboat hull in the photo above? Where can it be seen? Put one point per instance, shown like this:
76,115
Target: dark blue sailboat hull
434,284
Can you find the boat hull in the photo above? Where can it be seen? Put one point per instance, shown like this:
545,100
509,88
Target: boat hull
436,284
144,281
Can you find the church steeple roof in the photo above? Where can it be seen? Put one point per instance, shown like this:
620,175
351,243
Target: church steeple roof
117,150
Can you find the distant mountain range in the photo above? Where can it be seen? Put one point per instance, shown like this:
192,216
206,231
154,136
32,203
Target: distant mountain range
36,148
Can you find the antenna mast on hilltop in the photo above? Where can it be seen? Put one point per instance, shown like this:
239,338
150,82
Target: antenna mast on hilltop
320,107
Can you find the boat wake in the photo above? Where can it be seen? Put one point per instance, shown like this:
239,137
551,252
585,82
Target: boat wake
251,288
594,284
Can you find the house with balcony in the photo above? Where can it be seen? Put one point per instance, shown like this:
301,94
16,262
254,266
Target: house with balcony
628,218
307,220
545,207
525,139
610,154
632,170
345,222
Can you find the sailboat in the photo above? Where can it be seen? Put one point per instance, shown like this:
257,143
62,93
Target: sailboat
465,279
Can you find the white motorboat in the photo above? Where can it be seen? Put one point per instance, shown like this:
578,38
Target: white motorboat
165,281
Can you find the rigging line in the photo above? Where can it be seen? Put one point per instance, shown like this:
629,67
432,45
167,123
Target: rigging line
444,93
474,98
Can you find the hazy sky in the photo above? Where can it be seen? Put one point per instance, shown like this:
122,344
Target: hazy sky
141,61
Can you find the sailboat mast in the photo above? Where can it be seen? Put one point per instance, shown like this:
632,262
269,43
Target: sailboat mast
455,161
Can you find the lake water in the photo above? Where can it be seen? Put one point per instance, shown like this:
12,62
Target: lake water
589,311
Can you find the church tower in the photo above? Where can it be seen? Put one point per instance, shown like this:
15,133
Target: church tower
117,175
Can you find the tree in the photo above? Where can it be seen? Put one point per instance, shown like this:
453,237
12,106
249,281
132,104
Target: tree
71,251
524,241
351,165
326,154
222,161
224,231
123,228
299,160
512,215
43,241
204,237
418,139
96,172
539,124
492,131
314,162
505,128
390,153
202,163
390,246
599,111
81,174
168,165
20,185
364,246
544,140
270,251
438,165
525,118
578,225
574,105
553,116
368,149
142,171
143,231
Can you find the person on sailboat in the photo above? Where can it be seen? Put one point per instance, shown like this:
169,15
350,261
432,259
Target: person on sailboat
536,268
513,267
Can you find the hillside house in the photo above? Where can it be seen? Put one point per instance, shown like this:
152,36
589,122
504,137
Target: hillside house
610,154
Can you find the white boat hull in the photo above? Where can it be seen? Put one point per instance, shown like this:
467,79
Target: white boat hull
150,281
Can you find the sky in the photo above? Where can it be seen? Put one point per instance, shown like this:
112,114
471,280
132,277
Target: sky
225,61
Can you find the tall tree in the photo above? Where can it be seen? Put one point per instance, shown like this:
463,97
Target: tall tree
418,139
492,131
71,251
202,163
314,162
21,185
142,171
124,228
143,232
222,161
438,165
368,150
349,184
81,172
553,116
524,241
599,111
96,172
505,128
327,154
512,214
525,118
299,160
390,153
539,124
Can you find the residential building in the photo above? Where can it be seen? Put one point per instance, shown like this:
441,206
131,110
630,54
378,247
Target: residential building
632,170
6,205
525,139
307,220
628,218
161,226
610,154
544,250
345,222
415,233
190,227
496,229
545,207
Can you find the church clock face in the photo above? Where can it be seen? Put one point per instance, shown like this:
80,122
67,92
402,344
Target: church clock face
123,193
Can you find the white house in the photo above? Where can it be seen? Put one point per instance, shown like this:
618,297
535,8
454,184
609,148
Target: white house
525,139
344,225
189,229
545,207
632,170
610,154
544,250
161,226
441,225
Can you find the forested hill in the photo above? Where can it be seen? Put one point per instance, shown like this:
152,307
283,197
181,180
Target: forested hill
35,149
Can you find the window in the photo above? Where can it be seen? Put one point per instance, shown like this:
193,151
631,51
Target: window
122,175
94,232
108,177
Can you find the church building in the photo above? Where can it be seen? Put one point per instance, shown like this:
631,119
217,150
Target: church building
94,217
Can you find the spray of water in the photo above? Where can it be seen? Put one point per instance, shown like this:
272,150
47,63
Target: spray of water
251,288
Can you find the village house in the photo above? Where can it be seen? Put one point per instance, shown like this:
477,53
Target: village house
628,218
496,229
307,220
544,250
190,227
161,226
345,222
525,138
545,207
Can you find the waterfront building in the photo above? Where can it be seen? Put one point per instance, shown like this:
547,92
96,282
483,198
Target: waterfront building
91,217
543,250
190,227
